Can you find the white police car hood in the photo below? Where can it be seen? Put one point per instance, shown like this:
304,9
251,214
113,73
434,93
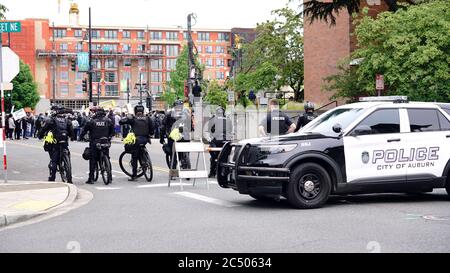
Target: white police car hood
284,138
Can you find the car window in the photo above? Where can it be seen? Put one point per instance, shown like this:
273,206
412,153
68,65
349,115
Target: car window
423,120
444,122
385,121
324,123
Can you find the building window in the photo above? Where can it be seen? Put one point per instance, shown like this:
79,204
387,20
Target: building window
126,34
156,49
97,76
156,89
173,36
60,33
209,49
64,62
141,48
156,35
141,62
111,34
96,47
95,34
126,48
110,63
127,62
203,36
140,35
223,37
79,89
79,47
168,77
220,49
63,47
109,47
79,76
111,90
64,89
111,76
209,62
199,49
64,75
156,64
171,64
172,50
78,33
185,35
220,63
126,75
220,75
156,76
96,64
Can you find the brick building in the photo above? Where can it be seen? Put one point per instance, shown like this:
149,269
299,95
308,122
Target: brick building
119,54
326,45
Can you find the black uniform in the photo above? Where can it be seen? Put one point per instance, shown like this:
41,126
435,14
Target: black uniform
183,121
304,119
62,130
220,128
276,123
143,128
100,129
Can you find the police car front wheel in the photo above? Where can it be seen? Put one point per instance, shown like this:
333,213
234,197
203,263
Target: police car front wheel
309,186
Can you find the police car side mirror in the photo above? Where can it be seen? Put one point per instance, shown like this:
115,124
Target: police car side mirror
362,130
337,128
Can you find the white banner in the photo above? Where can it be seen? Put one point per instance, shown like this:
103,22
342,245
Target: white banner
19,114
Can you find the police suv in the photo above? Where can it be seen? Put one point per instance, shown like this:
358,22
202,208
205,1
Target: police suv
381,144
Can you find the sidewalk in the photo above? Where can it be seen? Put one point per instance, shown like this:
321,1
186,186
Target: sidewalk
23,200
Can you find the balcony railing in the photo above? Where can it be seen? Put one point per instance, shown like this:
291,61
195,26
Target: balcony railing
100,53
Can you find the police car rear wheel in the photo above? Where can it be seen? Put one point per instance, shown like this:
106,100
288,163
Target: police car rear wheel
447,187
309,187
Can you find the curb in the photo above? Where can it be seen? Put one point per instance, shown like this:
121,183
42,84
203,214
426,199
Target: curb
11,219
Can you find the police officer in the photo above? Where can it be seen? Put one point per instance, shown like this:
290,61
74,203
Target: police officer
62,130
179,119
307,117
219,132
276,122
143,128
100,128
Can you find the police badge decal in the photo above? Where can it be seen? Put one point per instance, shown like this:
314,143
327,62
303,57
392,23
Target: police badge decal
365,157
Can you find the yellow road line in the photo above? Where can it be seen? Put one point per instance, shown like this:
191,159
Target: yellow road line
156,168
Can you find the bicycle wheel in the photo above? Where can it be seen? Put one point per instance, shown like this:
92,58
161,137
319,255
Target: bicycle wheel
146,164
96,170
125,165
106,170
65,168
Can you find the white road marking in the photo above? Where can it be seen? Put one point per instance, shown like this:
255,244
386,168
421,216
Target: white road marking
123,174
77,177
161,185
207,199
107,188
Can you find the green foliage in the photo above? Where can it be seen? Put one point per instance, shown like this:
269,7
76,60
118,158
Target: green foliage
275,58
409,47
24,92
216,94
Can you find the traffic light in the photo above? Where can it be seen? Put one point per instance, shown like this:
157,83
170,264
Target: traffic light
74,65
149,103
84,85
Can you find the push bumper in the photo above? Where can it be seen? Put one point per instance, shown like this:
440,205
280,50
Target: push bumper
234,171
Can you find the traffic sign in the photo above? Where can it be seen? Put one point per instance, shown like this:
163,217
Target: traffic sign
380,82
10,27
10,64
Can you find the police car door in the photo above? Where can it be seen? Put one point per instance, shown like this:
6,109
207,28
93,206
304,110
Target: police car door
428,143
372,148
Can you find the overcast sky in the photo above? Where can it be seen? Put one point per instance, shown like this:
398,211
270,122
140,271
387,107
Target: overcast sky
154,13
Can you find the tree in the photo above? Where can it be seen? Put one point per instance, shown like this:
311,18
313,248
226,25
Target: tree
409,47
3,10
326,11
24,93
216,94
275,58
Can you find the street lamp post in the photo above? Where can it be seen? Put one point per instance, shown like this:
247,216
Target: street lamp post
90,57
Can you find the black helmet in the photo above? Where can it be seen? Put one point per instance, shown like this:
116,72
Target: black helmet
309,106
139,108
178,103
100,111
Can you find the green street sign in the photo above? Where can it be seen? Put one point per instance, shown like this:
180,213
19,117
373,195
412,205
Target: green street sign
10,27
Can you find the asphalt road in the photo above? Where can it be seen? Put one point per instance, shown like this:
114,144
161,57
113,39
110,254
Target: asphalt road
150,217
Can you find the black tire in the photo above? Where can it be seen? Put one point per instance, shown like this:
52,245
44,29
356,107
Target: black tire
263,198
125,165
66,169
313,175
147,167
106,170
96,171
168,160
447,186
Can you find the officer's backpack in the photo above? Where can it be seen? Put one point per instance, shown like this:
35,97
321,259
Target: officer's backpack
61,128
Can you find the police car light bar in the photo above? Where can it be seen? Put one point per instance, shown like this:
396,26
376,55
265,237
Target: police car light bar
385,98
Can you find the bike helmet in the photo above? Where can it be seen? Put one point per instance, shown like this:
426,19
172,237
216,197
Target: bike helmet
309,106
100,111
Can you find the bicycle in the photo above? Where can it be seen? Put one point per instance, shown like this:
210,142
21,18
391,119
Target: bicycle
64,166
145,167
103,164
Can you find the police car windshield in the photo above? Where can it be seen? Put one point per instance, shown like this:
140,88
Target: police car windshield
324,123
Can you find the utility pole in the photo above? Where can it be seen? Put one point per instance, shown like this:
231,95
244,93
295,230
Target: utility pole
128,91
191,61
54,65
90,57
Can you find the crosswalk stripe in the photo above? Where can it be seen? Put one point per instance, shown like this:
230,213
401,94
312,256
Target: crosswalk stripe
107,188
207,199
